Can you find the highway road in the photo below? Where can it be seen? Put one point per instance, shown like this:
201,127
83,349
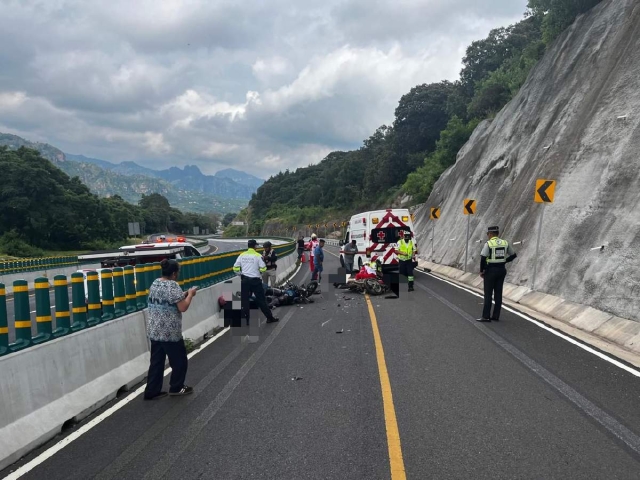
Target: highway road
351,388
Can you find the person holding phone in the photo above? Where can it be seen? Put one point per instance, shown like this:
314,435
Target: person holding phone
167,303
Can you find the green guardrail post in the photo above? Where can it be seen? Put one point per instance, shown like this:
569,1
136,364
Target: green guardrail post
130,289
197,263
141,286
206,265
195,272
63,320
94,307
108,310
206,261
150,276
43,311
120,298
22,320
78,305
4,324
185,273
181,274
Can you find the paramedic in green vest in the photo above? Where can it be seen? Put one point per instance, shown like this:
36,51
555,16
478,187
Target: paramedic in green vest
495,254
251,266
406,253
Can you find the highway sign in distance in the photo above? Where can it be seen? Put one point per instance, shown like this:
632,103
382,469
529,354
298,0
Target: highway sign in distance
545,191
469,207
435,213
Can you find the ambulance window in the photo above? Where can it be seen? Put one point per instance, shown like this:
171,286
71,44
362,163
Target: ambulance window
346,238
388,235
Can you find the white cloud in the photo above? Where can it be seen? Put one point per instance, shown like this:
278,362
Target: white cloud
11,100
222,84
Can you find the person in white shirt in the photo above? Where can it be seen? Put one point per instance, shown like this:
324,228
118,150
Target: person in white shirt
250,266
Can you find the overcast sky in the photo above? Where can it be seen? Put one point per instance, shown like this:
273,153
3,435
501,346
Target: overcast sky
257,86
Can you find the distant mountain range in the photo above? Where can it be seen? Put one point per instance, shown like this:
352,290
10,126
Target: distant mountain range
188,189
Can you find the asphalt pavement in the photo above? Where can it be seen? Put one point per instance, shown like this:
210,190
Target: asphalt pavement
308,401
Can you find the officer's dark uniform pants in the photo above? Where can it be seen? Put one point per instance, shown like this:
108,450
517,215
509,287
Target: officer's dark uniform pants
405,268
494,277
253,286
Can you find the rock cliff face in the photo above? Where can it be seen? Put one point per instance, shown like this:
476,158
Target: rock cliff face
565,124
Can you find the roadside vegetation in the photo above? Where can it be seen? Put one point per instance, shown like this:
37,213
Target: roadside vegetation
44,210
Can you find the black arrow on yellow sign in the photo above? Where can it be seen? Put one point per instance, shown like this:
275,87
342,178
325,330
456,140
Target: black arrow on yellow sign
545,190
435,213
469,207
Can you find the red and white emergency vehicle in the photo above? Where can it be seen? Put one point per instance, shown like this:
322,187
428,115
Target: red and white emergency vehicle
377,234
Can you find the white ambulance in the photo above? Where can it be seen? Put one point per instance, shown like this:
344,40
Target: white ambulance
377,234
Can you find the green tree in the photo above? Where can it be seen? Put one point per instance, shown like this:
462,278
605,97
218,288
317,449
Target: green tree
559,14
420,116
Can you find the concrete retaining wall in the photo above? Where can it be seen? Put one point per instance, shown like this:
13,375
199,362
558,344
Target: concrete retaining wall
68,378
622,332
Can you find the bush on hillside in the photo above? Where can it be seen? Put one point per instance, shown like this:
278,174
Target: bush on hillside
13,244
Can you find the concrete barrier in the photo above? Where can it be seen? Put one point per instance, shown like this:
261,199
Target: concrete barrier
68,378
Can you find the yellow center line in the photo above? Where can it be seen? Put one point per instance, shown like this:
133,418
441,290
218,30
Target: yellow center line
393,433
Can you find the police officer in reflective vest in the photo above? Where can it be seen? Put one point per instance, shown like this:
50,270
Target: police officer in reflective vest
406,253
495,254
250,266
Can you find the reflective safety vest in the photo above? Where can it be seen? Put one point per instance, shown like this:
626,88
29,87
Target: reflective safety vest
497,250
250,264
405,250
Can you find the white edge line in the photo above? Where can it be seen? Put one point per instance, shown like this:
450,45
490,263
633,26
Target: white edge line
50,452
549,329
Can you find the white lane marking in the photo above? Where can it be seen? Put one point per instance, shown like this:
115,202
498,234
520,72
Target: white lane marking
106,414
327,321
587,348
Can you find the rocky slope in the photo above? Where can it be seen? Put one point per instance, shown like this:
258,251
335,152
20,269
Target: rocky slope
565,124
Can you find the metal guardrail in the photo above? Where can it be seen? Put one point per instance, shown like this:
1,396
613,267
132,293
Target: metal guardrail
111,294
35,264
